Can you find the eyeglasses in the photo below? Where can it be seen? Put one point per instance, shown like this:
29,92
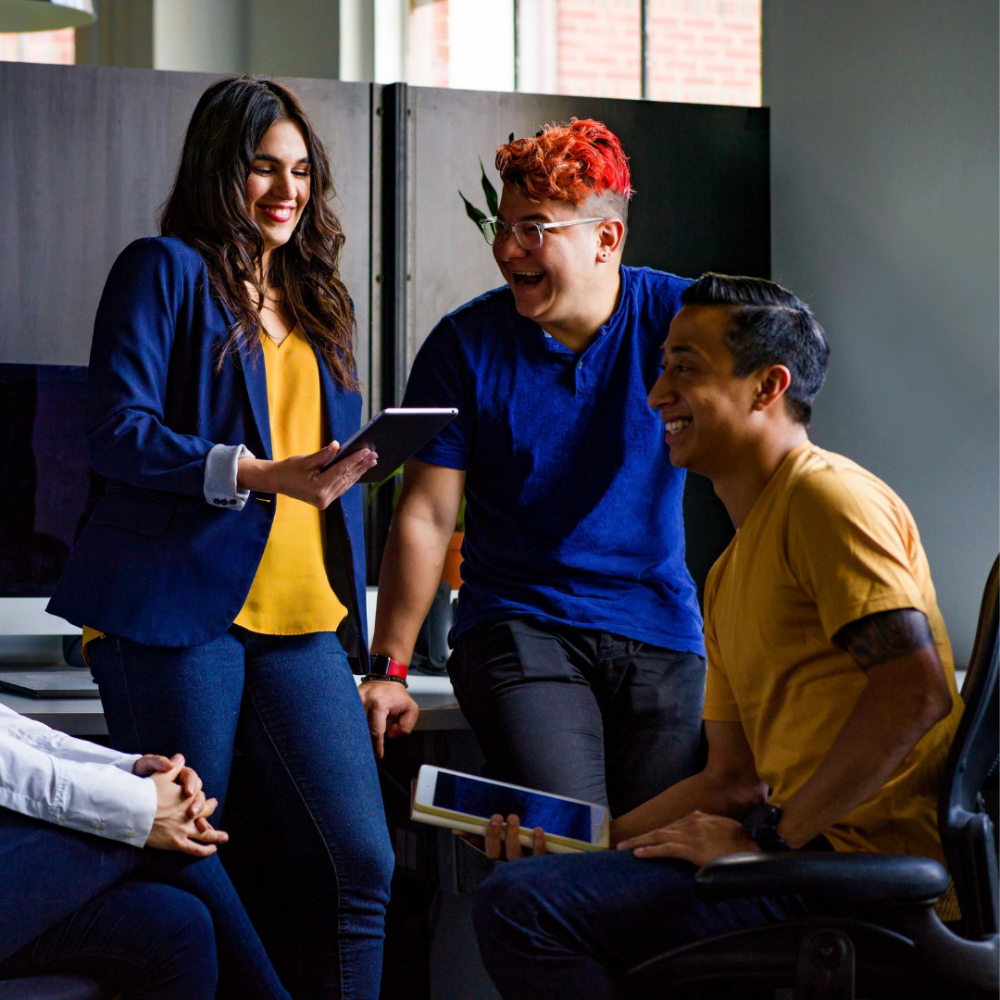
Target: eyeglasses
527,234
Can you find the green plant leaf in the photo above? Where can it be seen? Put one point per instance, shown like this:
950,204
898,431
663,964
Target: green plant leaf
511,138
492,201
396,479
373,488
471,211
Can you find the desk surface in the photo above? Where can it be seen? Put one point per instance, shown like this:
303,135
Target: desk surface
85,716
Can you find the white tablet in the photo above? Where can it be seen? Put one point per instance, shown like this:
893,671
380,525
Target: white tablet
395,434
466,802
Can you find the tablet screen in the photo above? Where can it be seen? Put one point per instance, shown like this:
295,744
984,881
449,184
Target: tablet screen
484,799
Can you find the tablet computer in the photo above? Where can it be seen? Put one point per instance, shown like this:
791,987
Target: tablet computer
395,434
459,801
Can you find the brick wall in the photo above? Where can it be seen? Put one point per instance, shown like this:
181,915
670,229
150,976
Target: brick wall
598,48
57,47
427,45
705,51
700,51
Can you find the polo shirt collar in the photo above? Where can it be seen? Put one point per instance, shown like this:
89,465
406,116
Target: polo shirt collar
549,343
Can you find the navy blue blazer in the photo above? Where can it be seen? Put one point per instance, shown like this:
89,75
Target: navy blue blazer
156,563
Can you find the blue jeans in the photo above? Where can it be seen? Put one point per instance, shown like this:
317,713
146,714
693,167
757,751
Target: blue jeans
565,926
141,922
290,704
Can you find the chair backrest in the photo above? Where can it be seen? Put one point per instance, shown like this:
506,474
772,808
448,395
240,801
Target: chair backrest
967,831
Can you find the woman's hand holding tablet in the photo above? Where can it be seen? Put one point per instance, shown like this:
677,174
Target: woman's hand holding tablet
301,476
394,435
382,445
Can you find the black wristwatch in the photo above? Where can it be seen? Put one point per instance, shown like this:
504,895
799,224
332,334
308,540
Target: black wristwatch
761,826
385,668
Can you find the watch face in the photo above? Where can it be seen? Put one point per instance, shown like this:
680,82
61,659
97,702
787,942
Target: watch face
761,827
378,663
761,820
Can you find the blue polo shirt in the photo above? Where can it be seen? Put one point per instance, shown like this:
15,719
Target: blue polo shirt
573,509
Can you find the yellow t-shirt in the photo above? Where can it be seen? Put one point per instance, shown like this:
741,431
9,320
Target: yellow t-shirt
825,544
291,592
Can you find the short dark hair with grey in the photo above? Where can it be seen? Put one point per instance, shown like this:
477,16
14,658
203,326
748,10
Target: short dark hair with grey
771,326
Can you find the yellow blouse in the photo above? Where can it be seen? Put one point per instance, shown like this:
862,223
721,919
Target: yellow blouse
291,593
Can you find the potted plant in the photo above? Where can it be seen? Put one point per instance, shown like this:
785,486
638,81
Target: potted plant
492,198
453,558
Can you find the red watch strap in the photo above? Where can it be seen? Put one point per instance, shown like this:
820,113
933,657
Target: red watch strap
397,669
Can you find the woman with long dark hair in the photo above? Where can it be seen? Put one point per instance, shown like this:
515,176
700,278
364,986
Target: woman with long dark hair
221,576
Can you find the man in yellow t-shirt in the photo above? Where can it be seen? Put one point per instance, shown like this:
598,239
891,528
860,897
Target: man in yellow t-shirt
830,674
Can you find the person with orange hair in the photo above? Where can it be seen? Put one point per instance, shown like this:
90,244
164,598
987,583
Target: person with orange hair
578,656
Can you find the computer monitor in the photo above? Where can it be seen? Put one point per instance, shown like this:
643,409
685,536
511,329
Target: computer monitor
48,489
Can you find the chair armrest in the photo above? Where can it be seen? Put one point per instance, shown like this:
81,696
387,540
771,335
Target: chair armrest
844,876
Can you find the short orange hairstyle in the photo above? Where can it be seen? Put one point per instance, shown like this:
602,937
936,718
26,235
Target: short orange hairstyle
571,162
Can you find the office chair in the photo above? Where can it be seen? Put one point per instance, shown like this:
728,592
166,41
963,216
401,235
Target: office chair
873,932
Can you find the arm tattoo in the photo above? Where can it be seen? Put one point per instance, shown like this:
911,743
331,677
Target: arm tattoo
885,636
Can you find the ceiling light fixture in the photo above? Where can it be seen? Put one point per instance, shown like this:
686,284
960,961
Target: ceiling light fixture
45,15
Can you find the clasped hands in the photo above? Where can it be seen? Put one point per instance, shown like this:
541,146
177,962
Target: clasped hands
182,811
698,837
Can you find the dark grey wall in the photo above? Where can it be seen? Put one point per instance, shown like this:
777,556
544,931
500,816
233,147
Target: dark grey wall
885,202
88,155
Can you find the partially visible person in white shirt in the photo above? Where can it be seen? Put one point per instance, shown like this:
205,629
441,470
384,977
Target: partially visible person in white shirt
147,923
86,787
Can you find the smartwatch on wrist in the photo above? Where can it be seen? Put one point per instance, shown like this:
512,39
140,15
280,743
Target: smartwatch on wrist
384,668
761,826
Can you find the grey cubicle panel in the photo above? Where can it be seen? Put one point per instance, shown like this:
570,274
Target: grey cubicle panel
702,202
87,157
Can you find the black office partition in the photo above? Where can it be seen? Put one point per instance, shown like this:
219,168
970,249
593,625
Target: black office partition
87,157
701,175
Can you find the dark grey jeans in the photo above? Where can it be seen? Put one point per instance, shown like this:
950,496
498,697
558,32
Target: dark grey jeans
587,714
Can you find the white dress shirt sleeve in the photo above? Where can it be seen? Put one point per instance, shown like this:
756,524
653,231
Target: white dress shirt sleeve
71,782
